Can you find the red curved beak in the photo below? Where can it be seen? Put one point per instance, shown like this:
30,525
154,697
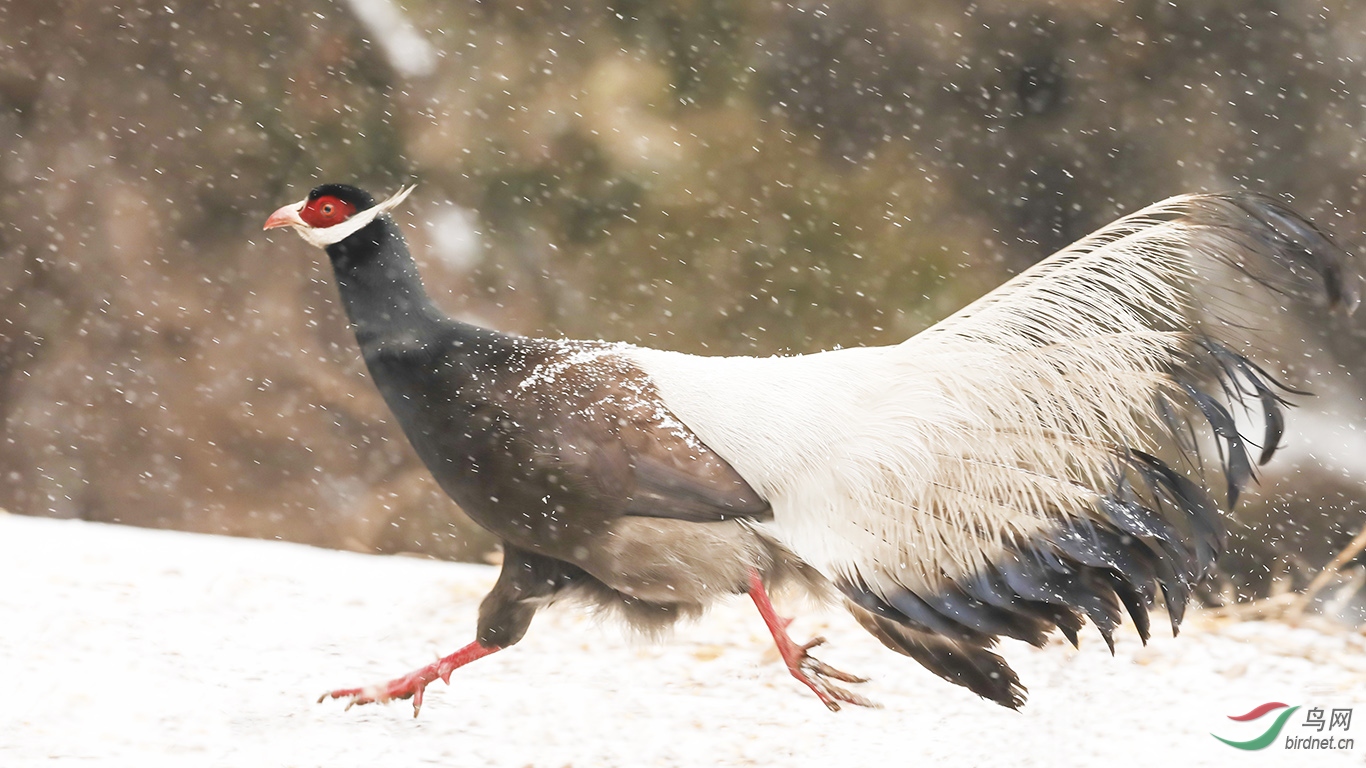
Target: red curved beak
287,216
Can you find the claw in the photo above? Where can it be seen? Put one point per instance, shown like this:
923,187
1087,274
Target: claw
414,684
819,667
812,672
816,675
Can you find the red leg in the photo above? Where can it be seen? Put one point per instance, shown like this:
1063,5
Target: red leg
811,672
414,683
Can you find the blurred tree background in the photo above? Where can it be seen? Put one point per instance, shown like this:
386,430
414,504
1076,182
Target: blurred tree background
724,177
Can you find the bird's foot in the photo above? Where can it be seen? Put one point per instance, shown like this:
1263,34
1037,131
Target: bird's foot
812,672
412,685
818,676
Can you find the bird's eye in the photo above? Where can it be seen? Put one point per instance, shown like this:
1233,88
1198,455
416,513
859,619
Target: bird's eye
324,210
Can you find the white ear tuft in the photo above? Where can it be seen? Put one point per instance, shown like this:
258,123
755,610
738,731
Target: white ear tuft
394,199
323,237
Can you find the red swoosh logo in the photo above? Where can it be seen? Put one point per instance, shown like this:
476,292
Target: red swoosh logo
1258,712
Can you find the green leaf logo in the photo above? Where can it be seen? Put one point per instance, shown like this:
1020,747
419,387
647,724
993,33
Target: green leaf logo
1263,741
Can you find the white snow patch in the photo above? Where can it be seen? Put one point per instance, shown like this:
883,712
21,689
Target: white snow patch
408,51
122,646
455,237
1330,437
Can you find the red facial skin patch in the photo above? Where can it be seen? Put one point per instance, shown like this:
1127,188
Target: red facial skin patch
326,211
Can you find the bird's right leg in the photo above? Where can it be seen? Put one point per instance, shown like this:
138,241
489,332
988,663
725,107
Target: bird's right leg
812,673
504,617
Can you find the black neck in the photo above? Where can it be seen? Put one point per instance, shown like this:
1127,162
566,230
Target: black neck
380,286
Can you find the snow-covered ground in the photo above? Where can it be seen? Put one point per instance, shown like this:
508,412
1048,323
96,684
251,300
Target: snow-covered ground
121,646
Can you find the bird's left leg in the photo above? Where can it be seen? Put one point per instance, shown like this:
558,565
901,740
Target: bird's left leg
504,616
813,673
414,683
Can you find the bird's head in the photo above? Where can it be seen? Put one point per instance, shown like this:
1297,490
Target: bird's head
332,212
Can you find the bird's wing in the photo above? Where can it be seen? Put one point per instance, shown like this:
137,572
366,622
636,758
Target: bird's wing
1000,472
610,427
